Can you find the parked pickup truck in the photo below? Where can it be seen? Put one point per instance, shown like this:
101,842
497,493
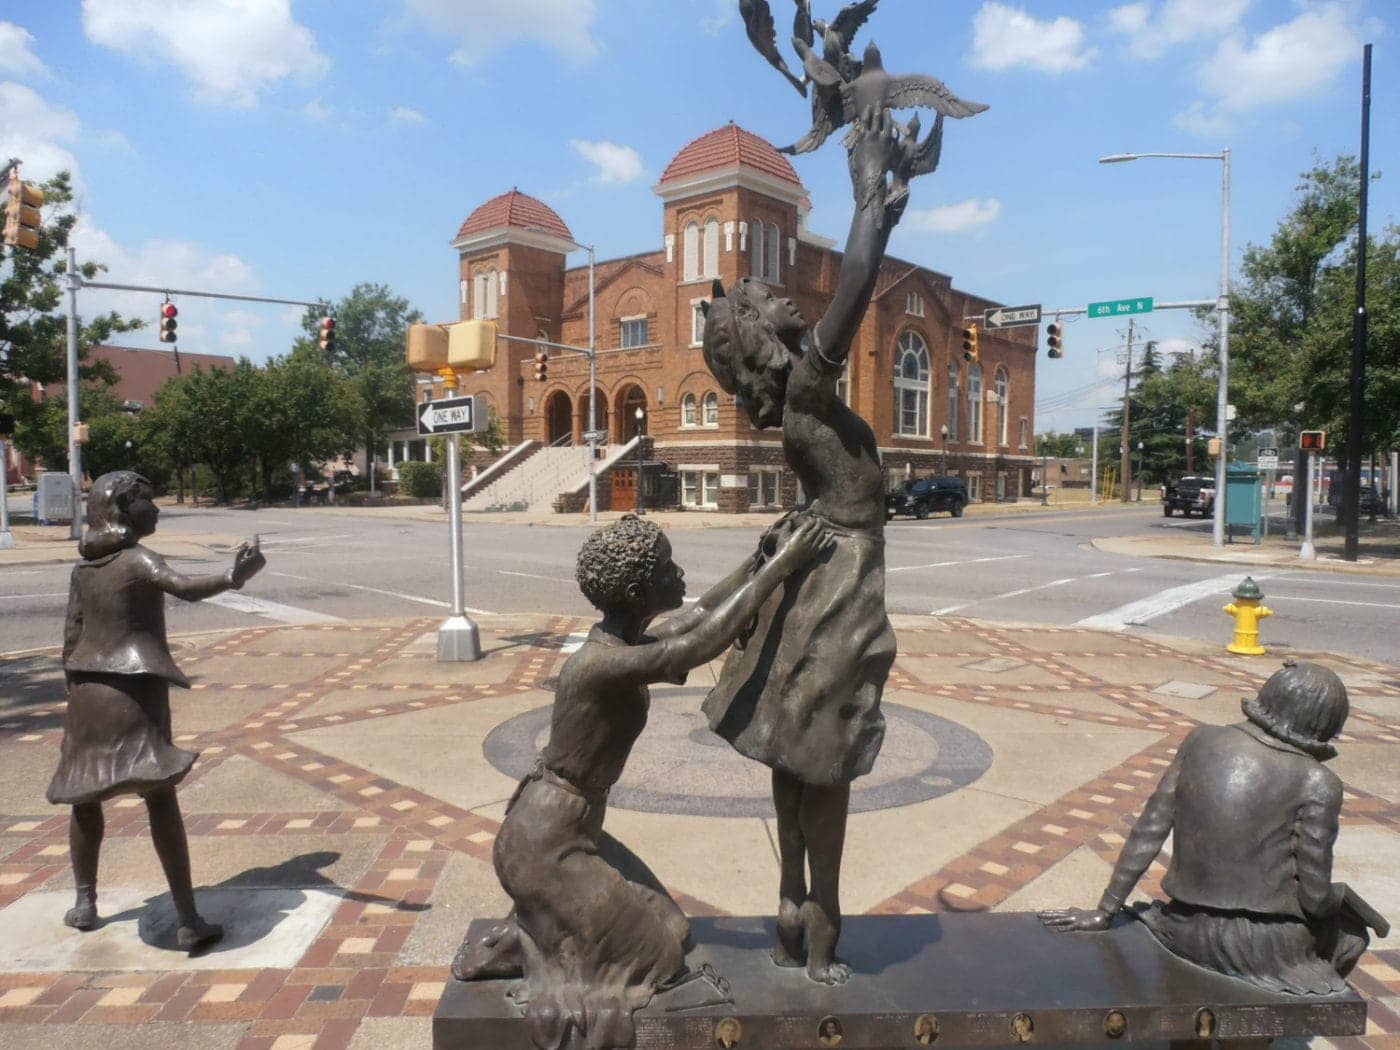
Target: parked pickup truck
926,496
1190,495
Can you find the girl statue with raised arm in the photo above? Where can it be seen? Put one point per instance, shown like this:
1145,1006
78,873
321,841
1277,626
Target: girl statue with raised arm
800,692
116,729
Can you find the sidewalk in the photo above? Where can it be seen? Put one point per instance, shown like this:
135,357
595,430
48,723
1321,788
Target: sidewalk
344,808
1379,552
50,544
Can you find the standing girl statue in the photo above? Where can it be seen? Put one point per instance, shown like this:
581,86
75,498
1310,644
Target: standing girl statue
800,692
116,731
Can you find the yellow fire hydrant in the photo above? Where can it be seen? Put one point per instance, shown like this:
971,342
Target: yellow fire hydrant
1248,609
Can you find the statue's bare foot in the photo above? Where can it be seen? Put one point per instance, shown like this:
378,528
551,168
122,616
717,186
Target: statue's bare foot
833,972
496,955
790,950
82,916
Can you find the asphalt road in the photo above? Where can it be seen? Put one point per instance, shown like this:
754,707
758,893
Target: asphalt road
1028,567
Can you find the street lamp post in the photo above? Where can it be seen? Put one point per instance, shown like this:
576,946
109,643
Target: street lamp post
1222,316
1139,471
641,430
1044,473
943,430
129,464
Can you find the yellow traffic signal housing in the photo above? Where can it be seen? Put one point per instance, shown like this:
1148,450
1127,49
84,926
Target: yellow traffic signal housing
1055,340
471,345
22,216
327,337
541,364
970,351
426,348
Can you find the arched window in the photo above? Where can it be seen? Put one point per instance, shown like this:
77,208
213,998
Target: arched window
493,285
712,248
1003,388
712,409
774,249
974,403
691,253
688,410
954,378
911,373
756,264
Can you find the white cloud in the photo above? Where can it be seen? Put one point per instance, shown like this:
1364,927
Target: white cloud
721,15
407,115
484,26
1174,22
952,218
16,56
1005,37
1293,61
206,325
231,50
316,110
1290,61
614,163
36,132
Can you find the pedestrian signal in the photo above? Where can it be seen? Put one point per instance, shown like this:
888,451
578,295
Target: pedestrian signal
970,351
1055,340
168,313
1312,440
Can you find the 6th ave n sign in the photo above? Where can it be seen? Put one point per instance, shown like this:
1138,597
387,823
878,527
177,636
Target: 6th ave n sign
451,415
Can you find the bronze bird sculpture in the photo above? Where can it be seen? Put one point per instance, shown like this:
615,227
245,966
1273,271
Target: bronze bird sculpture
763,34
838,34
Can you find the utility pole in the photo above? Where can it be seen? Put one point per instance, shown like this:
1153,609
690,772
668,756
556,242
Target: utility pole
1094,470
75,449
1126,465
1351,494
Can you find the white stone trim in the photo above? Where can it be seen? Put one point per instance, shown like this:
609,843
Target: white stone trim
729,235
670,247
733,481
727,178
501,281
513,235
792,251
743,236
712,468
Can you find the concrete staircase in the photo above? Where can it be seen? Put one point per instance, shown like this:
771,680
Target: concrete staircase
534,484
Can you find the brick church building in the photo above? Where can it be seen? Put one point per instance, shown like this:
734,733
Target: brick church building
733,206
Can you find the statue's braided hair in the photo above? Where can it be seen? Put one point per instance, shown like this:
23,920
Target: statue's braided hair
615,557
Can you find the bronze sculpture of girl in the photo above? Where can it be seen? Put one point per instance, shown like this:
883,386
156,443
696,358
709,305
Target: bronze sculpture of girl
116,729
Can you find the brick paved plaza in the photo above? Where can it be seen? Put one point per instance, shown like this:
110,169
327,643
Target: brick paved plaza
343,810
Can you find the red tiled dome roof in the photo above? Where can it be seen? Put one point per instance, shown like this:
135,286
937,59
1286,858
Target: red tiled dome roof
514,209
727,147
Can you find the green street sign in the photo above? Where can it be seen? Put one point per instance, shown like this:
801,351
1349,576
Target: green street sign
1121,307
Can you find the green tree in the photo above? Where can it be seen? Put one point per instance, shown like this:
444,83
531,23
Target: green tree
371,324
1291,328
33,332
202,417
1064,446
303,411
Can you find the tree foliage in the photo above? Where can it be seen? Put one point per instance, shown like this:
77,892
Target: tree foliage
33,333
371,324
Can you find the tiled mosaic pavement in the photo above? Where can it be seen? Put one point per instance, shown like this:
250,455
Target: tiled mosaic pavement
345,802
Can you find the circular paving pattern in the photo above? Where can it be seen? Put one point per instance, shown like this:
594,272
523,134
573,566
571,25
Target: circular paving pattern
680,767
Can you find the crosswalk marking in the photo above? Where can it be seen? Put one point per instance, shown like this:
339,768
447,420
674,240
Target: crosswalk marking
1161,603
271,610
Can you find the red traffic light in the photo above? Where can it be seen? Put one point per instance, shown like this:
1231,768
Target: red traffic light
168,313
168,310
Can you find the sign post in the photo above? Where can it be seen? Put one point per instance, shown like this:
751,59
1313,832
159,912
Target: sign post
1312,442
458,639
7,539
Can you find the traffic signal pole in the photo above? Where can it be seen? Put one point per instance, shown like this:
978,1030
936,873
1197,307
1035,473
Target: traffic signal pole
75,281
1351,494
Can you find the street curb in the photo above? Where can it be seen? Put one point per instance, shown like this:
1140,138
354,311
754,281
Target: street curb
1378,567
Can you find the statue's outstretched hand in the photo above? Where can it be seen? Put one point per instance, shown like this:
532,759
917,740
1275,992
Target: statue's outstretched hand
806,542
875,152
1070,919
248,561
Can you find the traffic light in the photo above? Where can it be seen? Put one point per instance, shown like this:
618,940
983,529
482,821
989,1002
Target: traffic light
541,365
168,313
1055,340
1312,440
22,217
970,352
328,334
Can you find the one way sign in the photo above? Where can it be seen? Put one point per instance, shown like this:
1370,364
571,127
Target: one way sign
452,415
1011,316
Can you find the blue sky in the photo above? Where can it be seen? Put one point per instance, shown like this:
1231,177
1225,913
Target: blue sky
295,148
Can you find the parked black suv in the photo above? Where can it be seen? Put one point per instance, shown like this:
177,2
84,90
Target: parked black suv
927,496
1190,495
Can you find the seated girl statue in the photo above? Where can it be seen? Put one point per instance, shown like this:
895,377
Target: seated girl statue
1253,814
595,942
116,729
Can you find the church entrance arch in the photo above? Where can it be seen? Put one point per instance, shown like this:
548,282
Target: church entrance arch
559,418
